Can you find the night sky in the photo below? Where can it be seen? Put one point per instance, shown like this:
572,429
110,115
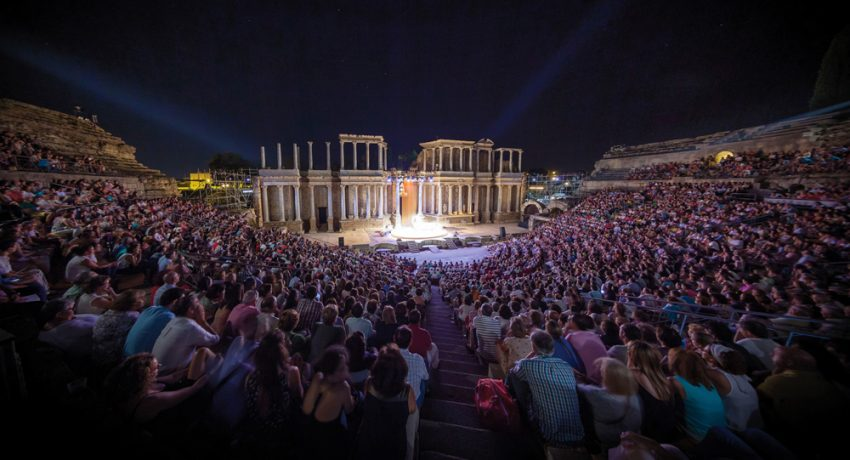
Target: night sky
564,80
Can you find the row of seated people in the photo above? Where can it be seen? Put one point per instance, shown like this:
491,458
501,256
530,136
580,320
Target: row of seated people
19,152
750,164
623,259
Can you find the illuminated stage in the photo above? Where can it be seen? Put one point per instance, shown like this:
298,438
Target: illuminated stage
419,230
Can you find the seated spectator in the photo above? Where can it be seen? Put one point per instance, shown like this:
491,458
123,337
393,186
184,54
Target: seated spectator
659,402
800,406
628,333
84,260
309,310
111,329
272,392
563,349
420,343
753,335
385,329
326,402
488,332
389,403
616,406
186,334
23,282
516,346
587,344
357,323
151,322
611,333
132,389
170,281
247,307
703,405
268,319
298,343
417,374
98,296
360,360
326,333
65,330
546,386
740,399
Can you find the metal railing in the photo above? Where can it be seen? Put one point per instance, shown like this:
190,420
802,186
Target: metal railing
25,163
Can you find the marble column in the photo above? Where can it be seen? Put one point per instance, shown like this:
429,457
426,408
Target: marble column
282,202
262,158
343,214
382,190
439,202
354,144
451,203
356,201
380,157
341,156
330,207
419,201
295,165
310,155
498,198
469,199
279,156
297,194
501,160
519,166
486,209
265,199
367,156
510,161
368,198
397,210
489,161
312,207
328,151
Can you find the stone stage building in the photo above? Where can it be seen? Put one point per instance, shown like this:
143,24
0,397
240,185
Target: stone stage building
451,182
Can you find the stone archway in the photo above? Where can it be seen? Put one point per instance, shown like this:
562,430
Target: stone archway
557,204
531,207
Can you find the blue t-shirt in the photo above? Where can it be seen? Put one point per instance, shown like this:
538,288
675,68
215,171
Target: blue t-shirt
146,330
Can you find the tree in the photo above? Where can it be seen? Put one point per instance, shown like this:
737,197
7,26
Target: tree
229,160
405,160
833,85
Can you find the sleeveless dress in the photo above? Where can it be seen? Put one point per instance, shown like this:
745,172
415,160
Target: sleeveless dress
659,417
326,439
272,429
383,431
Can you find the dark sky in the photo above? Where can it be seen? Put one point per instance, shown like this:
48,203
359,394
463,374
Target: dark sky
564,80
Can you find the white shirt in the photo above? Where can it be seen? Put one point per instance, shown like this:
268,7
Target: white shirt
175,347
75,268
416,370
761,349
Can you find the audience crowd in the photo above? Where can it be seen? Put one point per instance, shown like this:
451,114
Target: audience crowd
653,320
19,152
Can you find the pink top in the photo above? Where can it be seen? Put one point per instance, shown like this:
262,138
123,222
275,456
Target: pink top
589,347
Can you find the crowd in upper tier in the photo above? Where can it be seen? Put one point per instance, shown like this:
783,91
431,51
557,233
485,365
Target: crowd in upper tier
751,164
650,320
19,152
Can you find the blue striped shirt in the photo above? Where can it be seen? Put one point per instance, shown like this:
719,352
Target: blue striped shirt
553,393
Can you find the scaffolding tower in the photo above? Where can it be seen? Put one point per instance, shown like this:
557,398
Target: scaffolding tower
230,190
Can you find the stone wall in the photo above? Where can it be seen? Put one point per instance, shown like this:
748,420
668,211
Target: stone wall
74,137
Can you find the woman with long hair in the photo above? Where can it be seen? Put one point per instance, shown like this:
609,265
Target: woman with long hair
272,391
702,401
660,402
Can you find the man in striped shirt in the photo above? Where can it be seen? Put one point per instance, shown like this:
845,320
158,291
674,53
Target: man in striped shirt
551,386
488,331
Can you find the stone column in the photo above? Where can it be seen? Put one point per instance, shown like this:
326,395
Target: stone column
380,158
354,144
282,203
341,156
297,194
312,207
510,161
263,157
501,160
295,156
490,161
519,168
498,199
397,210
486,213
382,191
343,214
368,200
451,159
439,199
450,189
355,202
279,156
469,199
265,199
419,201
330,206
328,150
310,153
